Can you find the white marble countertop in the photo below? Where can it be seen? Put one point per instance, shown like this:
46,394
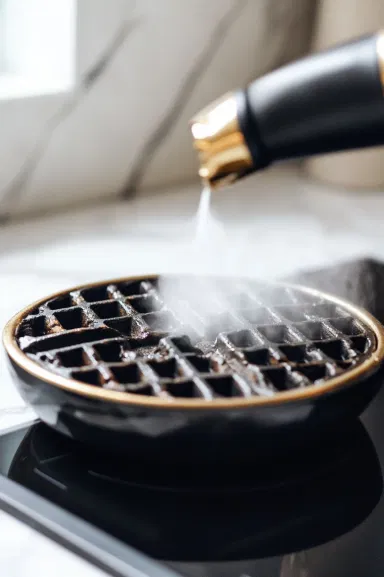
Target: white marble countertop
269,225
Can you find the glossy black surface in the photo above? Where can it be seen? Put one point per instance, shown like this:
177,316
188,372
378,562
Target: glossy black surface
325,102
318,510
168,435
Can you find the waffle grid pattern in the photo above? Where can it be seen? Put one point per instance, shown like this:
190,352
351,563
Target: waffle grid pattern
257,341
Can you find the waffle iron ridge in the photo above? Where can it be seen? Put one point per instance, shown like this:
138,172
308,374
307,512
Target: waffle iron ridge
122,337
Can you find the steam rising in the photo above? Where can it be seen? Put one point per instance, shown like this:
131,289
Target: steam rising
204,219
199,301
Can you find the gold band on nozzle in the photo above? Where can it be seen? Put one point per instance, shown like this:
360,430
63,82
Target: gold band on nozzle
223,154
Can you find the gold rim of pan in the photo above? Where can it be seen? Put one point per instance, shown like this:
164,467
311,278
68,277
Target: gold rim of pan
350,376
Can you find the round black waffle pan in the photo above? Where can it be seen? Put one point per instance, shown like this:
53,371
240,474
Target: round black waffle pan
115,365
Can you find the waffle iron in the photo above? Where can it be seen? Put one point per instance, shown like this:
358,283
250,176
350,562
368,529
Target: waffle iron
112,365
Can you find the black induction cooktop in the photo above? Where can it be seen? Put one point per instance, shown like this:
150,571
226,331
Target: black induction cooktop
316,513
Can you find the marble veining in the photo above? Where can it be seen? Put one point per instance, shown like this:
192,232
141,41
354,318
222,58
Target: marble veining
157,137
13,193
144,69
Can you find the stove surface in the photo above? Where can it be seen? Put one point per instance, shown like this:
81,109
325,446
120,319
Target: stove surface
317,513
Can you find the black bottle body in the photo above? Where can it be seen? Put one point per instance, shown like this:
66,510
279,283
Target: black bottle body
326,102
